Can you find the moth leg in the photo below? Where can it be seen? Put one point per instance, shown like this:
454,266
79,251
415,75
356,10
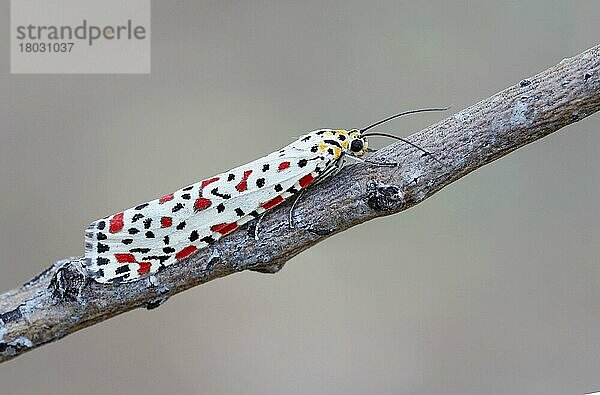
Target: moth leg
321,232
330,172
291,213
256,227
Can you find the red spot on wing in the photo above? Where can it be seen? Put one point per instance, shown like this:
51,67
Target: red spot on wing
306,180
125,258
283,166
165,198
144,267
272,203
187,251
116,223
165,222
202,203
243,185
224,228
218,227
210,180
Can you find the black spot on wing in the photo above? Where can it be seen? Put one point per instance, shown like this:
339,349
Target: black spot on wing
186,196
147,223
160,258
177,207
149,235
215,191
166,240
122,269
231,177
100,261
194,235
254,214
208,239
181,225
168,250
188,188
220,208
141,206
101,236
265,167
260,182
133,231
101,225
140,250
302,162
278,188
102,248
239,212
127,241
137,217
119,279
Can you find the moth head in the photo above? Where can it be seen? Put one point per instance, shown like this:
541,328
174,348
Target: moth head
357,143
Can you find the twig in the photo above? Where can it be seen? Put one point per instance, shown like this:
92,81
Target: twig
63,300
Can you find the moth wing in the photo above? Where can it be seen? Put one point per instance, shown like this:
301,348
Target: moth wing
142,239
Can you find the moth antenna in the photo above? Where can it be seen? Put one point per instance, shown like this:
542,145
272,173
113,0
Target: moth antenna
381,164
400,115
371,162
404,141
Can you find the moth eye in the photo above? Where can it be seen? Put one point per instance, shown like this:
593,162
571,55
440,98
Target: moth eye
356,145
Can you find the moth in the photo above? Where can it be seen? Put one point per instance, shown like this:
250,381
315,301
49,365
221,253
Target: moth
142,240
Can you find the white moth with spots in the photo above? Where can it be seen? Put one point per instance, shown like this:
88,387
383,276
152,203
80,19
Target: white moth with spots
143,239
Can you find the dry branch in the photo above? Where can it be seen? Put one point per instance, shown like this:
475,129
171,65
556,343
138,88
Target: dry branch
62,299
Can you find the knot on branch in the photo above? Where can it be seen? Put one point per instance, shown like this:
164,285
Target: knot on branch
67,282
383,197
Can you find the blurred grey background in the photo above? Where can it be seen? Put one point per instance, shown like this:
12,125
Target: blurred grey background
508,301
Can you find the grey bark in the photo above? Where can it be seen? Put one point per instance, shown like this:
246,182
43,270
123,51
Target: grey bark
62,299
